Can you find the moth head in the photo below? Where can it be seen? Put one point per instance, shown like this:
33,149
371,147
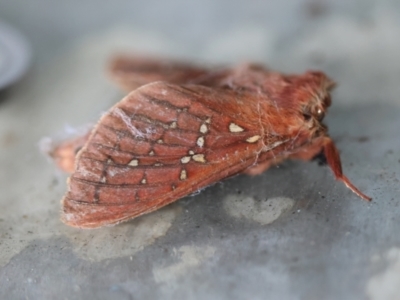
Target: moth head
315,98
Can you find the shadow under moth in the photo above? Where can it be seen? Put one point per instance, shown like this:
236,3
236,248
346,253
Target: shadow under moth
182,128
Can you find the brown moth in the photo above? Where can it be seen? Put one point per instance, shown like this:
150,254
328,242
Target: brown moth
182,128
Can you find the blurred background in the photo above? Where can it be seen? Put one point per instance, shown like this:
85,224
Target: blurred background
290,233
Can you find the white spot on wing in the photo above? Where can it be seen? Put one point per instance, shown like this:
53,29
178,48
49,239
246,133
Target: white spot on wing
253,139
185,159
133,163
203,128
183,175
200,141
199,158
235,128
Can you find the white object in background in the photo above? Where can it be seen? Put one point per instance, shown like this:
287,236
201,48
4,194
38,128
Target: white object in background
15,55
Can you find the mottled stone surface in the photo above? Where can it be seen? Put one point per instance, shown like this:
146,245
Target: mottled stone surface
290,233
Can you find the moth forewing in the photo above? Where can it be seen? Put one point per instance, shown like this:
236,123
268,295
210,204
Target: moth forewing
140,180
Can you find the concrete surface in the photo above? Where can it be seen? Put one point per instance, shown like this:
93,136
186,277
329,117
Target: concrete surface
290,233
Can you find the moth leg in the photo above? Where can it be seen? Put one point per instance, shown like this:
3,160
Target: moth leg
326,146
258,169
333,159
261,167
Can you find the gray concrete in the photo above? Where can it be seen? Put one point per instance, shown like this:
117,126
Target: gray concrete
291,233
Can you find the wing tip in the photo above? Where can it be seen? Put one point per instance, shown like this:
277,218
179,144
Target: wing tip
90,216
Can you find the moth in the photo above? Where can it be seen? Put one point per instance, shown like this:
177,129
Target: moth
182,128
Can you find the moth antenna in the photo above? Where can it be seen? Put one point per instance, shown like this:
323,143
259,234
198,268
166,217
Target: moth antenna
333,159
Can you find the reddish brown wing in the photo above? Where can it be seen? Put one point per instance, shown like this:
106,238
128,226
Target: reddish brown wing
131,72
158,144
